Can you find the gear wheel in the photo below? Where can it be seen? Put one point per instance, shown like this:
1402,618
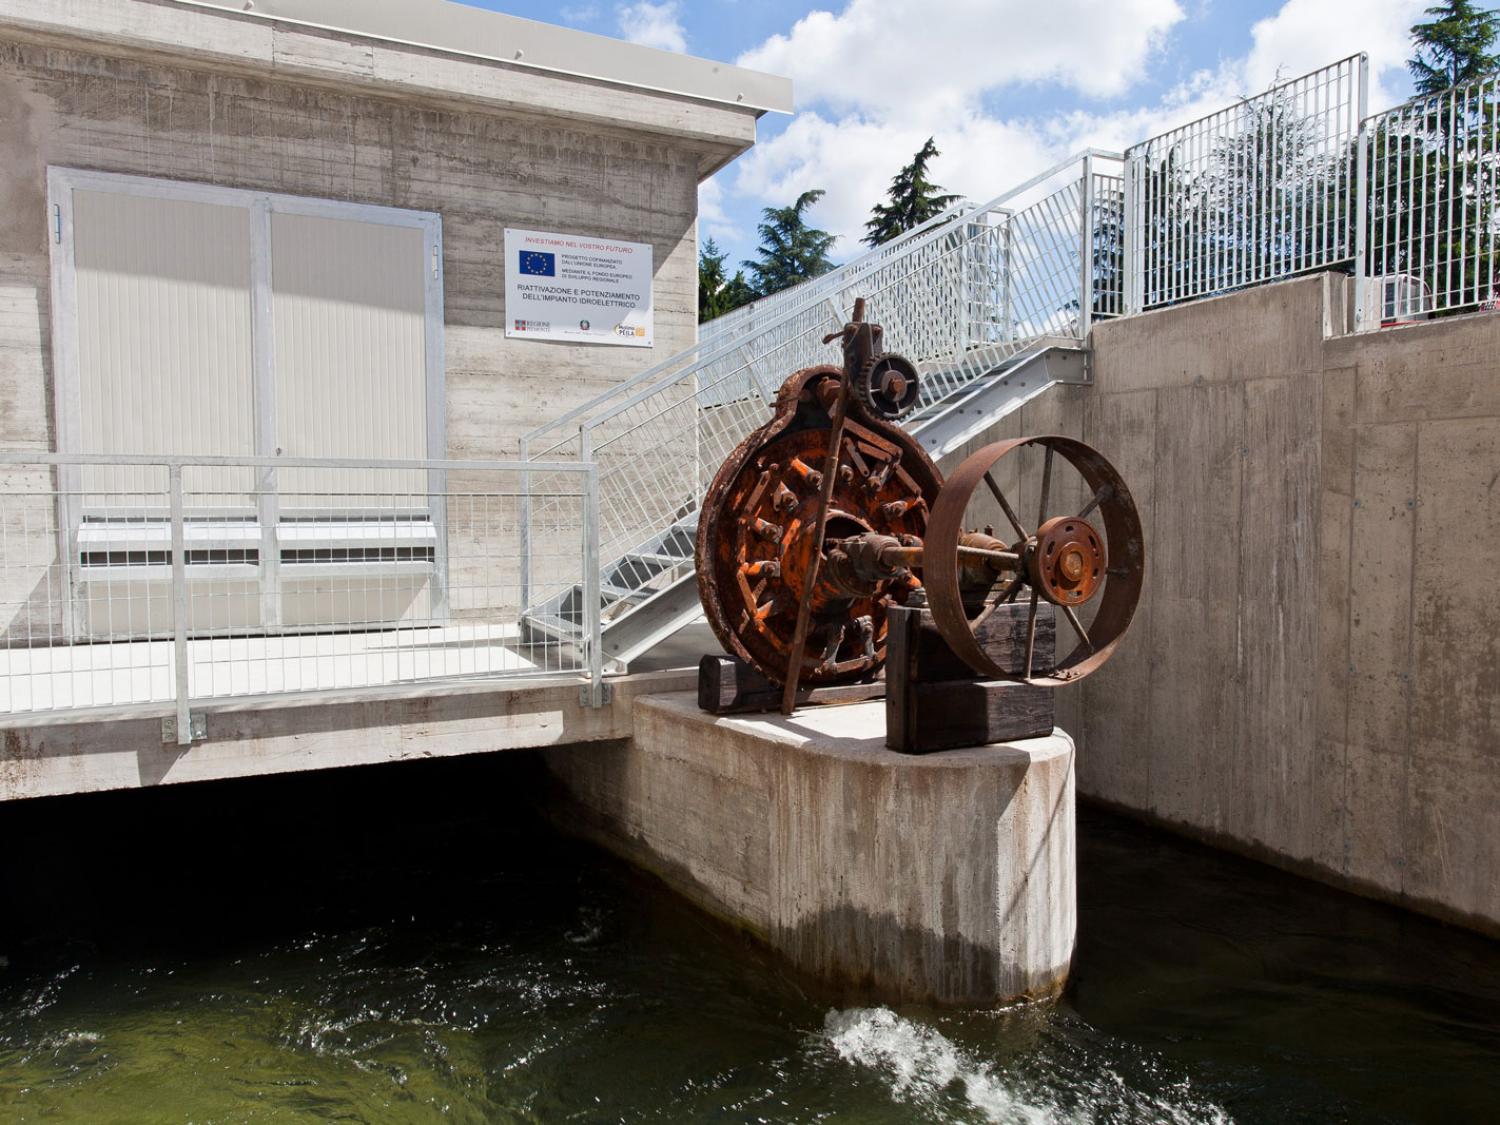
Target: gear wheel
888,386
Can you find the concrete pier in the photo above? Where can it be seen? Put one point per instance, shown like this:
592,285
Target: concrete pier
947,878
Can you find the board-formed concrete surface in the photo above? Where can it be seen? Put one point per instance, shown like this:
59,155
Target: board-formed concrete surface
124,748
1309,679
945,878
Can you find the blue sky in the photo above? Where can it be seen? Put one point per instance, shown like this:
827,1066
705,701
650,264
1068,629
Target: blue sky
1007,87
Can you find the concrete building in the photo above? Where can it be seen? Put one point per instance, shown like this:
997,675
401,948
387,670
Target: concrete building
279,230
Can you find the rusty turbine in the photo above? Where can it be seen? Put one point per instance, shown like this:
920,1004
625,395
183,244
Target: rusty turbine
829,513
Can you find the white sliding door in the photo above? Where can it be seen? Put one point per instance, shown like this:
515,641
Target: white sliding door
163,327
197,320
348,301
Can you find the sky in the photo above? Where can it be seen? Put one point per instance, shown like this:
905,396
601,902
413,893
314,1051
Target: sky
1005,87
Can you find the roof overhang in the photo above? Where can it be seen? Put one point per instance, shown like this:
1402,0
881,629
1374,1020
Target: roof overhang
478,33
433,52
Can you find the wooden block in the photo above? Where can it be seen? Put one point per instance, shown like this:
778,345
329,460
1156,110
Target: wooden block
728,686
723,682
1002,636
956,713
933,700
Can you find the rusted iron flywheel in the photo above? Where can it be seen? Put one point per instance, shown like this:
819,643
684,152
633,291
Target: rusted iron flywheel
1067,559
757,531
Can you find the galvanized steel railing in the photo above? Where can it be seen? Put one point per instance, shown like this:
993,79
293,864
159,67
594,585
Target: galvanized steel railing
1294,180
761,311
961,298
1258,192
149,581
1429,186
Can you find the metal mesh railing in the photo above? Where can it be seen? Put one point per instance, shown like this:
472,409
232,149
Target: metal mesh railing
764,310
153,580
1257,192
960,300
1106,246
1429,179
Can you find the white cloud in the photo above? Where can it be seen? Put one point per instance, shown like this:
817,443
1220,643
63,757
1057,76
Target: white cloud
1307,34
652,25
854,159
876,94
897,56
713,222
578,14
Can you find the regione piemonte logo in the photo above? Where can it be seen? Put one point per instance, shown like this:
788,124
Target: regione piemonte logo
538,264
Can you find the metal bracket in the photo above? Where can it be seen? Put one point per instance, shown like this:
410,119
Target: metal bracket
1068,365
586,695
197,728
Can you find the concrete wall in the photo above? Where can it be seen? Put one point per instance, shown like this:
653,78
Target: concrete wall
1314,673
942,878
126,750
481,172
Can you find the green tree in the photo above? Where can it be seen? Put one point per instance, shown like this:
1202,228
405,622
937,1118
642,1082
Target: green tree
1454,47
1433,180
913,200
718,294
790,250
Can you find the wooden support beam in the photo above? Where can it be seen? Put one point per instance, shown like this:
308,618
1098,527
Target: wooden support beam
933,702
728,686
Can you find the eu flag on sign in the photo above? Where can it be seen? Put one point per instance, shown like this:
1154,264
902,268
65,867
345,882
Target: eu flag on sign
535,262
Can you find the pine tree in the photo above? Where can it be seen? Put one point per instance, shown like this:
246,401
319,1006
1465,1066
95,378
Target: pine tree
790,250
717,294
1454,47
913,200
736,292
710,280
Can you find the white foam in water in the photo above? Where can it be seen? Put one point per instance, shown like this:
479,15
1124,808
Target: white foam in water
921,1064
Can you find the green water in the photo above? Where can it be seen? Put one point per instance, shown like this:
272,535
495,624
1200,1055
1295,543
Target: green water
409,944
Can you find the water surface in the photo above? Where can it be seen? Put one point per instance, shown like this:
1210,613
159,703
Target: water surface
410,943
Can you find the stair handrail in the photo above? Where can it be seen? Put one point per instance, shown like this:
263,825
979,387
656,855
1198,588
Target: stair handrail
827,280
931,236
815,289
721,324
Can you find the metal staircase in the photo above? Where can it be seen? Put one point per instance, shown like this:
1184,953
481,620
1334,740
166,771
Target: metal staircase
992,302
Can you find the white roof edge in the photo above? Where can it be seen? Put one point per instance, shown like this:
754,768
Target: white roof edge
460,29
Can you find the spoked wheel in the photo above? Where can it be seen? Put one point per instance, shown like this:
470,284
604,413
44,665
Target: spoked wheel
1070,559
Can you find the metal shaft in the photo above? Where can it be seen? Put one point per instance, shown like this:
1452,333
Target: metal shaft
825,496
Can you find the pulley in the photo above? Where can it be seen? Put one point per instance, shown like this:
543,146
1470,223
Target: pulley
888,386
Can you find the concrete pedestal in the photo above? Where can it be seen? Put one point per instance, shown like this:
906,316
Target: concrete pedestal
945,878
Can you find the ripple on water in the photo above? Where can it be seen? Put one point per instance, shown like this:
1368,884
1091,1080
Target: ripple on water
476,968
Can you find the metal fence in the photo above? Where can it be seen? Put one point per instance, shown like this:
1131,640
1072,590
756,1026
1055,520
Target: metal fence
1254,193
961,299
1429,185
128,581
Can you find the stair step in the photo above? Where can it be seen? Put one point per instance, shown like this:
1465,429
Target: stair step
551,625
621,593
